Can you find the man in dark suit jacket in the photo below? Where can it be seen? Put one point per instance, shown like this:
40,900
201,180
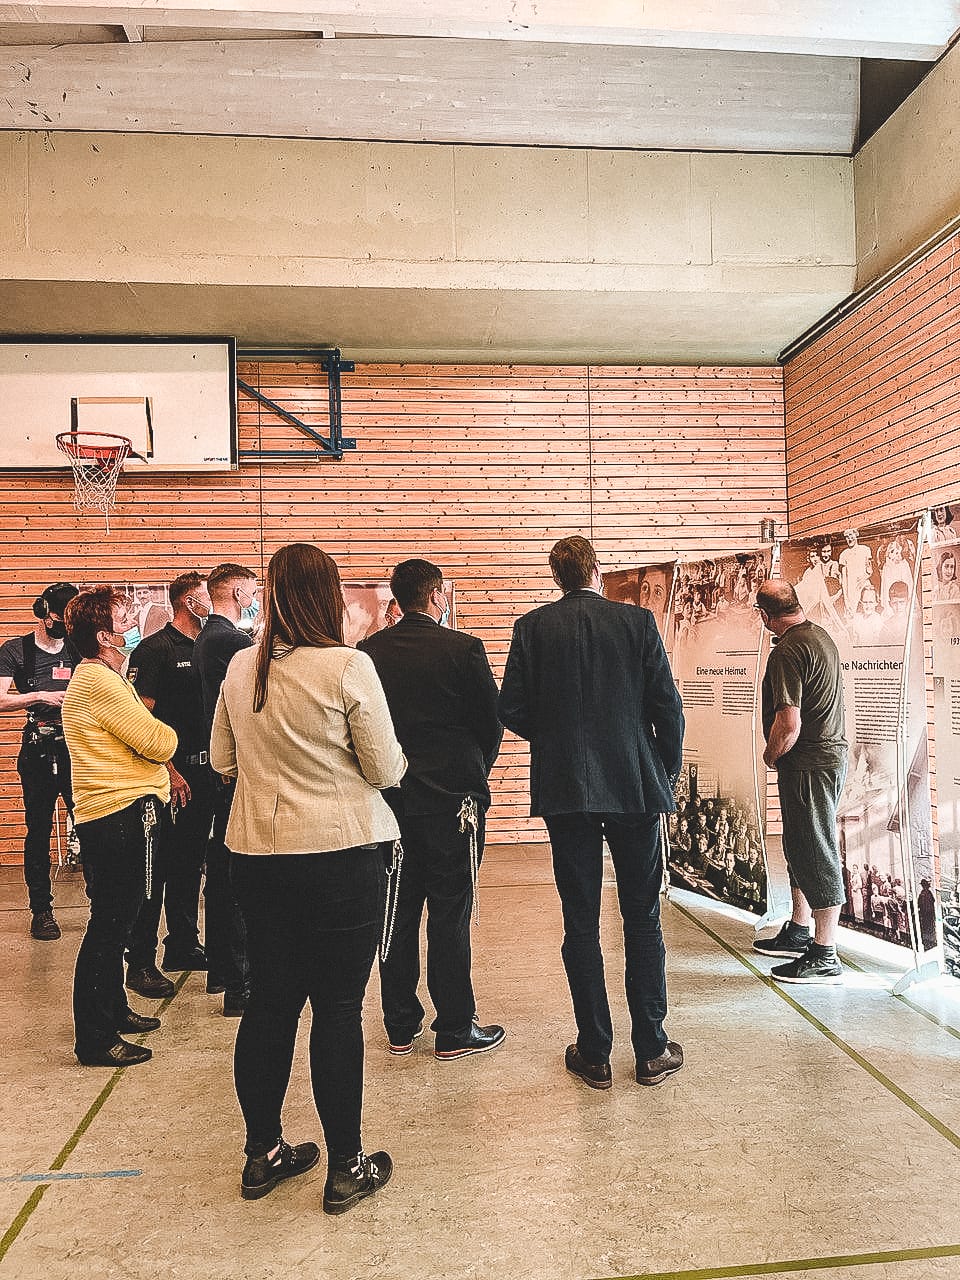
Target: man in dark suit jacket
443,701
587,682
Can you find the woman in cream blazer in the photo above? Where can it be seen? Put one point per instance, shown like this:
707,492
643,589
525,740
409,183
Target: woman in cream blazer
302,723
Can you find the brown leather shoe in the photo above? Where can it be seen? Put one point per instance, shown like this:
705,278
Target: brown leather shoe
656,1070
596,1075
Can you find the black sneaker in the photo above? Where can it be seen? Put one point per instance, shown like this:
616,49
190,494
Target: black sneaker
261,1175
810,967
792,940
43,927
351,1180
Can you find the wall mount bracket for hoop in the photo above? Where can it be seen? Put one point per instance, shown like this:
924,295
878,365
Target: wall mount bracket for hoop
332,446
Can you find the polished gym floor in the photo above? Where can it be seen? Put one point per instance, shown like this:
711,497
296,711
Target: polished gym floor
814,1132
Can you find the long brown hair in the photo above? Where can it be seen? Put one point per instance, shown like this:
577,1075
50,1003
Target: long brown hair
303,607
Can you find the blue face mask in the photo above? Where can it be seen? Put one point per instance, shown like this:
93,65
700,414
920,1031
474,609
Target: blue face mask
131,639
248,615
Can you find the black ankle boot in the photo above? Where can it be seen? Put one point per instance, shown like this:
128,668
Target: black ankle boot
353,1178
261,1174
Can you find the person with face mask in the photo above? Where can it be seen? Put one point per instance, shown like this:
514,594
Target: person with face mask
119,752
233,595
34,671
443,701
163,673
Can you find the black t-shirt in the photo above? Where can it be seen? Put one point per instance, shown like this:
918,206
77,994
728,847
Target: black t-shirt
215,646
50,671
161,667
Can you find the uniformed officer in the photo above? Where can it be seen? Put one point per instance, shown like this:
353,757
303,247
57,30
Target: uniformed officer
163,674
233,593
38,666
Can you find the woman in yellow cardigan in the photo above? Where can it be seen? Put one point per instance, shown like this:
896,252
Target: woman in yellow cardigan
302,724
118,752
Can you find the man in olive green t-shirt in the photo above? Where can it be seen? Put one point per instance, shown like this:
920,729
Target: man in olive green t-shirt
803,726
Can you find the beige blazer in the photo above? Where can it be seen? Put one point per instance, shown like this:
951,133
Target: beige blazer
310,765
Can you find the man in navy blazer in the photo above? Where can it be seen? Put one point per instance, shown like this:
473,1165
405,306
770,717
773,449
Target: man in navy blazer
443,701
588,684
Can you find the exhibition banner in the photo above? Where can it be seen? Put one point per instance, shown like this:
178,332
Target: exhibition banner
649,586
944,554
368,607
862,586
715,837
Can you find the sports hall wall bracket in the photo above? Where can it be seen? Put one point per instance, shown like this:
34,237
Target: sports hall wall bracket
331,446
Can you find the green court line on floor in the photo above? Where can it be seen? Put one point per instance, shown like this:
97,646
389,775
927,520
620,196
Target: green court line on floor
803,1264
927,1116
23,1217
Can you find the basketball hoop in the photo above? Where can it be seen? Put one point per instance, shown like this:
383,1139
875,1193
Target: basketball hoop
96,459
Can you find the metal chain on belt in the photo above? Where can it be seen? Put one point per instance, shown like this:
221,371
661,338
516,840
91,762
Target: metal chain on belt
393,897
149,810
469,816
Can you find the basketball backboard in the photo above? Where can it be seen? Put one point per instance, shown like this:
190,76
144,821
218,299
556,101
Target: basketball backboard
174,398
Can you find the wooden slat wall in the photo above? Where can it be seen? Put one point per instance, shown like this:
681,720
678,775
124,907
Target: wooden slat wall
479,468
873,406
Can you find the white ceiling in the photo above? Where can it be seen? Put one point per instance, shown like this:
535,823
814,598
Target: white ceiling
717,75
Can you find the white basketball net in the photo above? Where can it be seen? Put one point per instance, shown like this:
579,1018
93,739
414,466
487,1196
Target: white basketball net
96,461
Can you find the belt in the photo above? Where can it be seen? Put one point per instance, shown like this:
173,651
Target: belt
200,758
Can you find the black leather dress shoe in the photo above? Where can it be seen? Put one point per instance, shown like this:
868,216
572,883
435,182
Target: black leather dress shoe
655,1070
477,1040
150,982
176,961
120,1054
596,1075
137,1023
44,927
261,1175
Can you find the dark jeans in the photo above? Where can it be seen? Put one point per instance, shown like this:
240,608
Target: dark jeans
181,848
44,774
634,843
313,924
224,932
113,850
436,873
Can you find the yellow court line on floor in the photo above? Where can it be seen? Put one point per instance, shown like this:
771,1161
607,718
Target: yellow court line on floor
20,1221
927,1116
802,1264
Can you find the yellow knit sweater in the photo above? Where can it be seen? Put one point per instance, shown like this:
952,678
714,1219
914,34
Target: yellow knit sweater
117,748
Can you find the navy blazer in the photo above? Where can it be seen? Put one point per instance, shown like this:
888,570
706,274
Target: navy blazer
443,701
588,684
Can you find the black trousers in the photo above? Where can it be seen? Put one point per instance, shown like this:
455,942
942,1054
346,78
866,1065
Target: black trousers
225,933
44,769
313,924
181,850
634,842
113,850
436,874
